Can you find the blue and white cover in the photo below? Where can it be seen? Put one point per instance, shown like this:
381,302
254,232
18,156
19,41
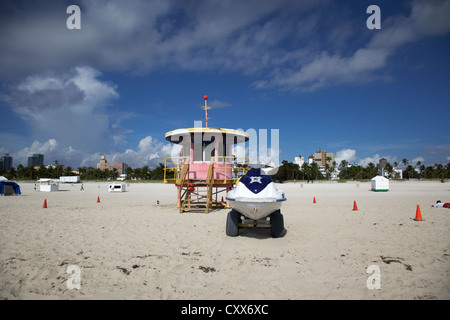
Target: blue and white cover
256,195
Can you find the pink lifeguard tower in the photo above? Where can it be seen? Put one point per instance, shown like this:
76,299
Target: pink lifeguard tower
206,166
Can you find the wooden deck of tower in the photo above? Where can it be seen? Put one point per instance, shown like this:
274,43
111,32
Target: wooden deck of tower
203,194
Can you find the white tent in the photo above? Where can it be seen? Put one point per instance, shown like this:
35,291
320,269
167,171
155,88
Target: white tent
48,185
380,183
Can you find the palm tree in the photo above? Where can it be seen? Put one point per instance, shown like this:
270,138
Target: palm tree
30,172
314,171
129,173
81,171
58,171
158,172
389,169
405,161
42,172
115,173
68,171
11,174
370,171
146,173
305,170
21,171
138,173
410,171
422,170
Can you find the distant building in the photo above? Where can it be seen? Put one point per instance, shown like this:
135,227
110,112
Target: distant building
47,166
397,173
36,159
381,166
6,162
104,164
322,158
299,161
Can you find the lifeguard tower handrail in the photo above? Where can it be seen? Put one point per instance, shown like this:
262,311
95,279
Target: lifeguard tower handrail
176,164
236,164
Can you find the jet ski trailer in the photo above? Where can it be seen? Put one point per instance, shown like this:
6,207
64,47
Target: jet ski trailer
255,202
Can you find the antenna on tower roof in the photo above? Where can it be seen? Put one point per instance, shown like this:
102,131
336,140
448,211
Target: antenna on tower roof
205,107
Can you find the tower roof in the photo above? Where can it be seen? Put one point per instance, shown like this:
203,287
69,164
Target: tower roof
173,135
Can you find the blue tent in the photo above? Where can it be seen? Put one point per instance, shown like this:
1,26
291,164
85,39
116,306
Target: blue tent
15,187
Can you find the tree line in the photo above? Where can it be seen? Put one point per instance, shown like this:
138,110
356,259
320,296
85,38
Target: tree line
311,172
86,173
287,171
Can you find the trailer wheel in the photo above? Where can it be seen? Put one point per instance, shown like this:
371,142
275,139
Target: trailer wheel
233,223
277,225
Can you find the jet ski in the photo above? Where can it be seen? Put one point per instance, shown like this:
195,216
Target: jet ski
255,202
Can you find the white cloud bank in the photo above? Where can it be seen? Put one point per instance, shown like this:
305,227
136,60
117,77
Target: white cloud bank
73,109
428,158
350,156
427,18
69,107
149,152
302,45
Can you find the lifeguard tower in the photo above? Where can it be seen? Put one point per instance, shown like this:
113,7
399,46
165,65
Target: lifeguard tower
206,166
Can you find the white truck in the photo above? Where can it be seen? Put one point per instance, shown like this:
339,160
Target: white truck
70,179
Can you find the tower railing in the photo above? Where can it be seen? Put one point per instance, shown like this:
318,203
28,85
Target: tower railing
231,166
237,166
172,168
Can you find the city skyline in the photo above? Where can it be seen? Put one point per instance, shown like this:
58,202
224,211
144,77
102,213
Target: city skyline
312,70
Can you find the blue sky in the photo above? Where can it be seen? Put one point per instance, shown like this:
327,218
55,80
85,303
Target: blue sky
311,69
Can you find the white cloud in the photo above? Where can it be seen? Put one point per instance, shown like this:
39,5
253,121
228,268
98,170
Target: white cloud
414,161
149,152
48,148
427,18
374,159
70,107
97,94
142,36
217,104
348,155
287,39
34,84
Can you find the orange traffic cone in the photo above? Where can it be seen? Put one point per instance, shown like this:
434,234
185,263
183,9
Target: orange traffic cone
314,200
98,199
355,207
45,204
418,214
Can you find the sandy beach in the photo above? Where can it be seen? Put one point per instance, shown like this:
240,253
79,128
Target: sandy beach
129,247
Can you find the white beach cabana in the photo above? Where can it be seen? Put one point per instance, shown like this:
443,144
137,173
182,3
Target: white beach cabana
48,185
379,183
